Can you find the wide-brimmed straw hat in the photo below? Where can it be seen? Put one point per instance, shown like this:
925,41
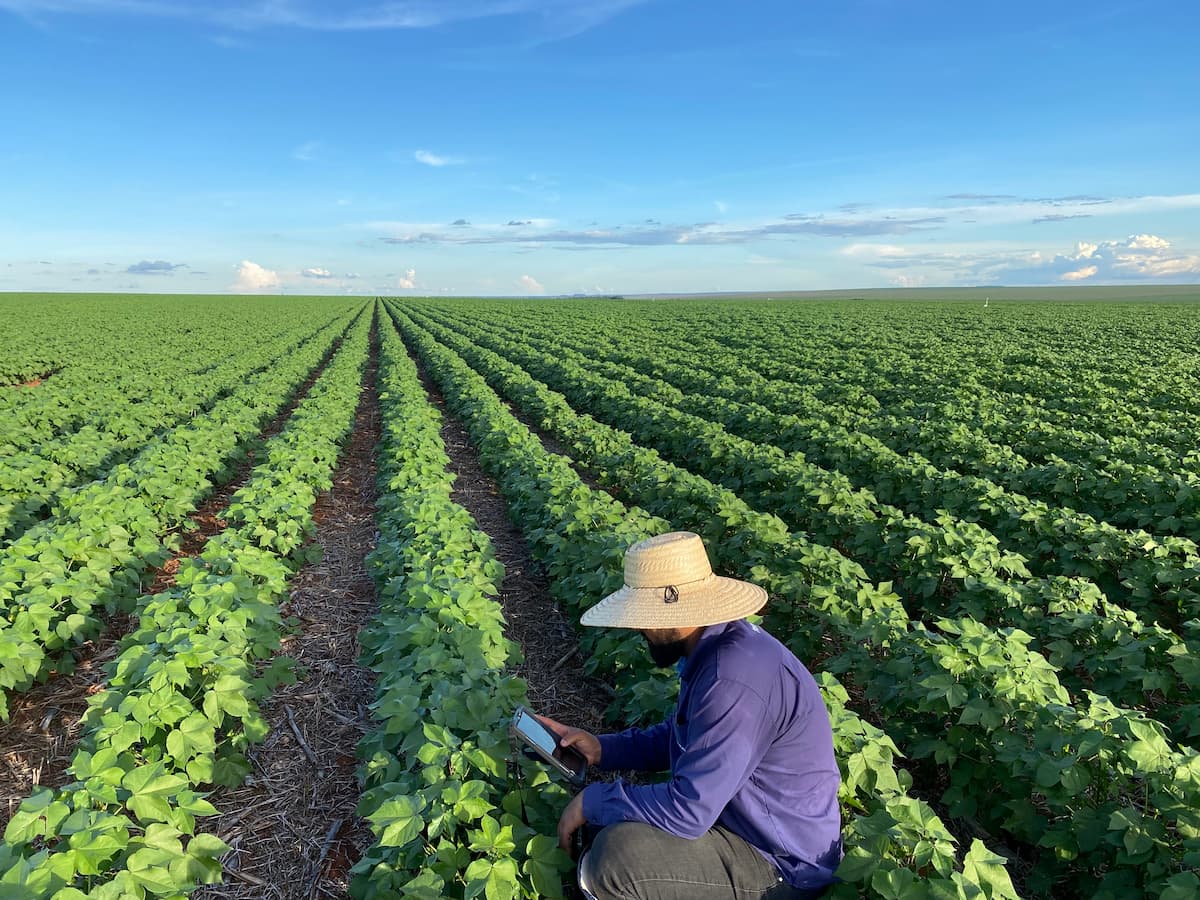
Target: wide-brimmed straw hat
669,583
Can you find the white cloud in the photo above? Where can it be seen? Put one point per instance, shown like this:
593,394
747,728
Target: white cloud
874,251
532,285
251,277
436,160
1139,257
408,280
316,273
1147,242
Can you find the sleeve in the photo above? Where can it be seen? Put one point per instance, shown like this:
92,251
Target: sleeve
640,749
727,737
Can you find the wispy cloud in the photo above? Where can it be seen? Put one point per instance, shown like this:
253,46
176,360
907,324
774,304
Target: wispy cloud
983,198
316,272
436,160
554,18
1055,217
155,267
855,222
652,235
306,152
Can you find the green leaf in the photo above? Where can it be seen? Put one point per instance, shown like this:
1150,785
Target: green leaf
194,735
545,865
502,883
857,864
987,869
398,821
426,886
150,867
1182,886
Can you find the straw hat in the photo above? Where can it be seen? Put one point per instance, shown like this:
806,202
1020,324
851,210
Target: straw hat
670,584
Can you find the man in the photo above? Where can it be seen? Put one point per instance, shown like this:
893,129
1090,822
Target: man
751,808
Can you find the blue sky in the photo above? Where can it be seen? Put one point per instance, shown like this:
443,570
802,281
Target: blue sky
554,146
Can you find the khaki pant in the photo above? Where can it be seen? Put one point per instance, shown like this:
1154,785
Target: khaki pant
635,861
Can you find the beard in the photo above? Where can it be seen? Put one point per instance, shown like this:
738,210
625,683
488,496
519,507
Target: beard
666,655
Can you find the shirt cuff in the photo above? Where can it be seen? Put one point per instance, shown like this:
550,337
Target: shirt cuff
596,809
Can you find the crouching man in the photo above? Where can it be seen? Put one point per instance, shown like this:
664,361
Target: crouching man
750,809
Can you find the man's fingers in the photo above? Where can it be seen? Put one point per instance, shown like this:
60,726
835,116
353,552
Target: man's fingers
558,728
584,743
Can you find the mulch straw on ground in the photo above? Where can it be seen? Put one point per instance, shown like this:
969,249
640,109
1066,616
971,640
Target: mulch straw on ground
292,826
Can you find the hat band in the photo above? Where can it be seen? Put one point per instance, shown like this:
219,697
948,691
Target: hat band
659,583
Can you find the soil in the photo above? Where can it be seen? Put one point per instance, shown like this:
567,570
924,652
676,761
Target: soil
552,666
292,826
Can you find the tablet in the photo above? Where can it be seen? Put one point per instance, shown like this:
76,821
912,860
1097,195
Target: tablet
545,744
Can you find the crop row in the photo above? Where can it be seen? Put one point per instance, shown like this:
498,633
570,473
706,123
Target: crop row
1139,489
1088,781
107,355
178,709
1158,577
862,446
955,566
58,576
446,819
579,536
33,477
1122,479
1121,371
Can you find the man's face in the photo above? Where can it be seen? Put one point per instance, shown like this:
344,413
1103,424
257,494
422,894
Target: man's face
666,645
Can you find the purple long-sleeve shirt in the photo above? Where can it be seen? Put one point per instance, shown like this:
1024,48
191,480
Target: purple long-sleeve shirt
750,748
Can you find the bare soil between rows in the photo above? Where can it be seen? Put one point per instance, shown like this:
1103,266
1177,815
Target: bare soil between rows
292,826
552,665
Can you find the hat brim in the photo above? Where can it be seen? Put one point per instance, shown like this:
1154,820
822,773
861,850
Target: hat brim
710,601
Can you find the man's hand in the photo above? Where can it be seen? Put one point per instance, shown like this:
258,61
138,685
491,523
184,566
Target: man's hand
571,821
584,742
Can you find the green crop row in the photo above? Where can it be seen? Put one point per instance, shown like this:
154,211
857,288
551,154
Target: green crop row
178,709
104,355
1096,786
447,821
58,576
1113,472
955,565
895,843
33,477
1135,568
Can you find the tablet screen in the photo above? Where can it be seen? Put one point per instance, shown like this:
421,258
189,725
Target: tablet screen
537,732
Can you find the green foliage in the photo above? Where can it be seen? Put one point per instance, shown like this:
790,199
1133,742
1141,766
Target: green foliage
437,795
992,680
179,704
579,535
